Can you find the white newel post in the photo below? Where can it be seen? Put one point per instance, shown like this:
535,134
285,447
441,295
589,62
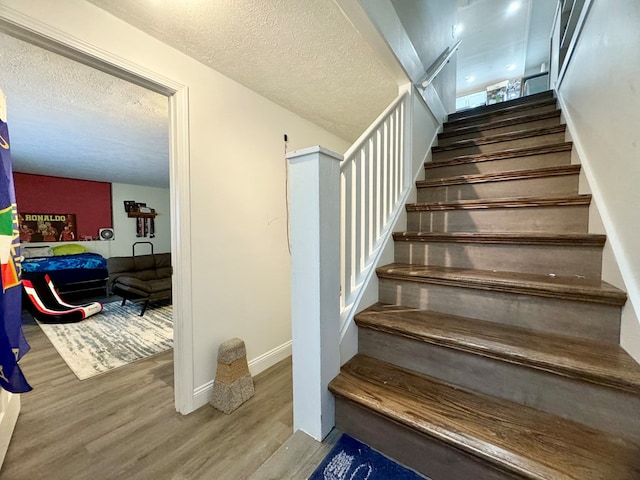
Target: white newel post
314,199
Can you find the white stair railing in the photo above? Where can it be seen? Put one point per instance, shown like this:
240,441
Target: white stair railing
341,211
374,176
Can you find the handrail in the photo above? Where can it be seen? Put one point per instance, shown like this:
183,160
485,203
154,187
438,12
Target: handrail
373,127
425,83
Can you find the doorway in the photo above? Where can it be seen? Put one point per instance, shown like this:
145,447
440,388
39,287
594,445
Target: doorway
59,42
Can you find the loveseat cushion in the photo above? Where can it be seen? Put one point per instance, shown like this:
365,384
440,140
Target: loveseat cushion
133,282
144,262
143,276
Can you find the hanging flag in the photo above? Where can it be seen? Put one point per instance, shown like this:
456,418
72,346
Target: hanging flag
13,345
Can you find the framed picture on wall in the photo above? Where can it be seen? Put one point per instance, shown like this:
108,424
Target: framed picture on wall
129,205
47,227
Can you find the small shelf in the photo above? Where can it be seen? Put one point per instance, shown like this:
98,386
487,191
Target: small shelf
141,215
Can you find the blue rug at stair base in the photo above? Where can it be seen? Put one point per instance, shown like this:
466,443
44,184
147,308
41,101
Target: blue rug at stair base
351,460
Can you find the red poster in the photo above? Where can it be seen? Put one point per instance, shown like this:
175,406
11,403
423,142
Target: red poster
47,227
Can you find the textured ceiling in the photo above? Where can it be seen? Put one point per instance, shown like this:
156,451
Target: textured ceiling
67,119
301,54
70,120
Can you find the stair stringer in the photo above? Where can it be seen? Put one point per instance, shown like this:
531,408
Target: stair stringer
427,125
615,267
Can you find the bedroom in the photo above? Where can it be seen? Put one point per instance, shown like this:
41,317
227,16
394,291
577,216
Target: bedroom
66,99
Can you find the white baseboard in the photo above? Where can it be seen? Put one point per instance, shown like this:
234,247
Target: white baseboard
202,394
9,410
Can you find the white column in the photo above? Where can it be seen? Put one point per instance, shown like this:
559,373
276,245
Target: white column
314,203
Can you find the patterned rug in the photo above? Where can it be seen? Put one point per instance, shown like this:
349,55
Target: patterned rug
350,459
113,338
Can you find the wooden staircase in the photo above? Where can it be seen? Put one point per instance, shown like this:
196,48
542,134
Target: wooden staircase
493,353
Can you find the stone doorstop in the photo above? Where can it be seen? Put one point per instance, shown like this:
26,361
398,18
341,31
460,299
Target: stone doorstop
233,384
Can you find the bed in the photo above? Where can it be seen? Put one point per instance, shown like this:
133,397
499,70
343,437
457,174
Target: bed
74,273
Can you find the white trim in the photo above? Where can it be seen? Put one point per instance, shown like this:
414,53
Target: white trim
632,286
202,394
9,411
574,40
28,28
270,358
296,155
180,188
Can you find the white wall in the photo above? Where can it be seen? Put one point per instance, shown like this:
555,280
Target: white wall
125,227
417,33
429,26
600,95
240,260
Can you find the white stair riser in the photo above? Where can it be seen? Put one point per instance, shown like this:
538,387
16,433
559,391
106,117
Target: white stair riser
608,409
528,142
547,122
555,185
558,219
588,320
563,260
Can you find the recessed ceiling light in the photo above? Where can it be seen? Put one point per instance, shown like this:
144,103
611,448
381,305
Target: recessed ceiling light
469,78
457,29
511,66
513,7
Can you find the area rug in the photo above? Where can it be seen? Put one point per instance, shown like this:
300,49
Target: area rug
350,459
115,337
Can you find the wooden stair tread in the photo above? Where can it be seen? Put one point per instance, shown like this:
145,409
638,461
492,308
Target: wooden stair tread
604,364
573,239
501,137
537,97
567,288
501,176
502,155
512,437
539,100
514,202
454,131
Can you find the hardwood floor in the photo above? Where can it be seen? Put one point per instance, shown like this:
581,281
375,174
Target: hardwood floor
123,424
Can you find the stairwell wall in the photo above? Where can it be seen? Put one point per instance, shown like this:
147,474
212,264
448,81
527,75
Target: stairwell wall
600,98
418,33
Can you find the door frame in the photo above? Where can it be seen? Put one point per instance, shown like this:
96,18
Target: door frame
21,26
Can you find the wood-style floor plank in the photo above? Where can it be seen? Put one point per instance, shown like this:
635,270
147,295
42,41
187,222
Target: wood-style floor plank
297,458
123,424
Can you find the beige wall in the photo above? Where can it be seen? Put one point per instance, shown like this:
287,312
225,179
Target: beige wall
240,260
600,93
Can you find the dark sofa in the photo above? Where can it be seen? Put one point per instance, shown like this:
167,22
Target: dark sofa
144,277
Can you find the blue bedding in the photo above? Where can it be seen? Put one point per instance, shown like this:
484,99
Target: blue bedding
90,261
